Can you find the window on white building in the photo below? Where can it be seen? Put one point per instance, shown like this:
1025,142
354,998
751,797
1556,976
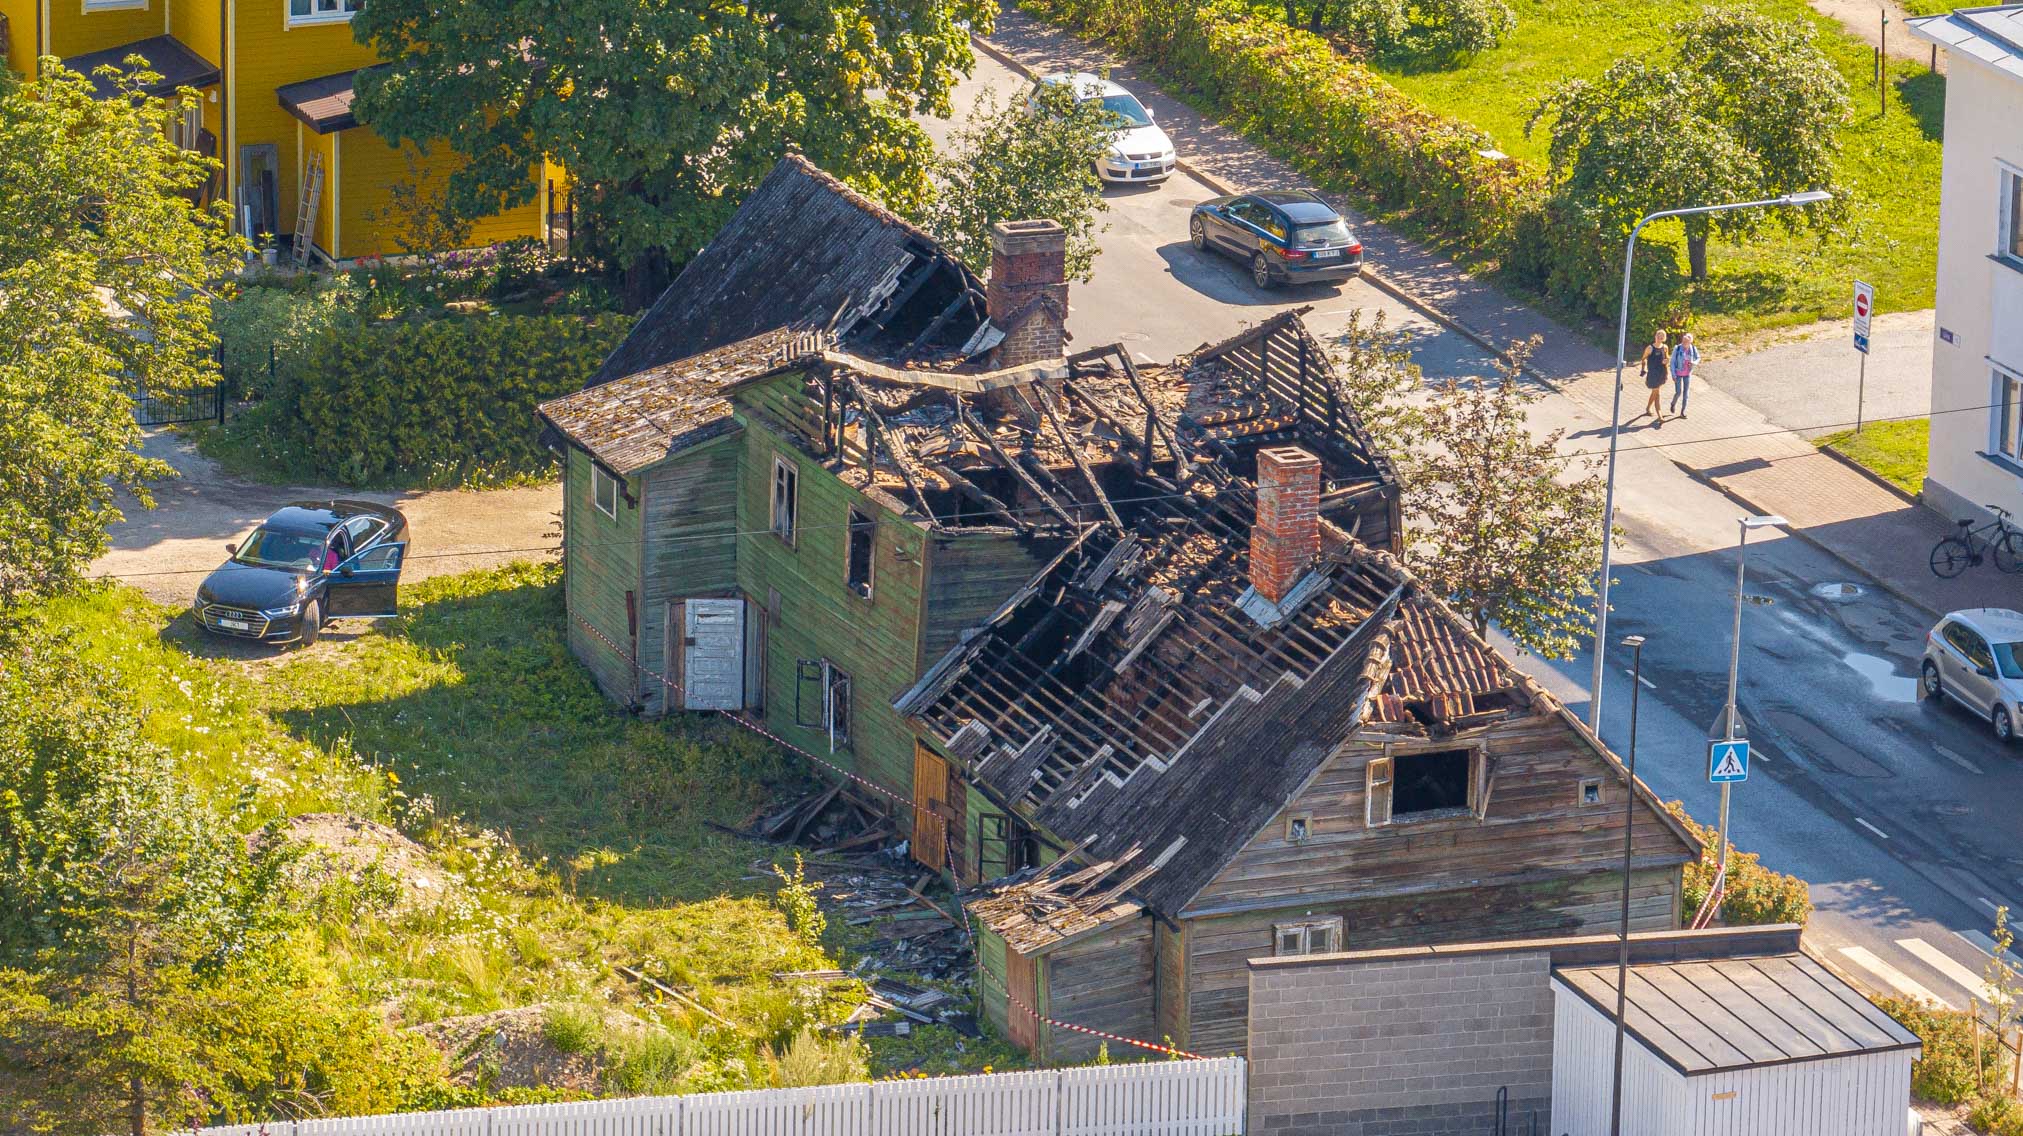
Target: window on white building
321,11
2010,226
2009,416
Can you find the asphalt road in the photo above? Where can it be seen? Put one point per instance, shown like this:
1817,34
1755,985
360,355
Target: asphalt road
1900,814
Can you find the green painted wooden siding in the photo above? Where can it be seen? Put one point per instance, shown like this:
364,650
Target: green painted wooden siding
875,641
602,558
969,574
690,507
990,981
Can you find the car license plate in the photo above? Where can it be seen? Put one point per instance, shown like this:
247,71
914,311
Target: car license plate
1150,165
1327,254
235,624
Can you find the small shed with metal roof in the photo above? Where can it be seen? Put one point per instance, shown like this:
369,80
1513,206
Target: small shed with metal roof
1771,1044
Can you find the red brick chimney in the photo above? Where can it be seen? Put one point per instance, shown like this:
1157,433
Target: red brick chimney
1028,291
1287,535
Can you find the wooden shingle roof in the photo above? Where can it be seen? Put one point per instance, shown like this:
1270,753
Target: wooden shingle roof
804,252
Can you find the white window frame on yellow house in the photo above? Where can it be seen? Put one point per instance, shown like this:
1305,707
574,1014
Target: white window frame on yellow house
320,12
115,6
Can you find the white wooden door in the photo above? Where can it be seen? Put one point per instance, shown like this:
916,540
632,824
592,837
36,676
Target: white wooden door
713,668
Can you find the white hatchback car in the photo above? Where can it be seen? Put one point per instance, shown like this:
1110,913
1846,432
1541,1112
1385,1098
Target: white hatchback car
1139,151
1975,657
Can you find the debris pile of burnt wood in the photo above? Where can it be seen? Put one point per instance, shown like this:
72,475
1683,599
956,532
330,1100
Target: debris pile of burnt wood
869,882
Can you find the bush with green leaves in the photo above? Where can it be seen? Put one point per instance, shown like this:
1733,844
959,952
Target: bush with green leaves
1011,162
265,330
1755,895
434,402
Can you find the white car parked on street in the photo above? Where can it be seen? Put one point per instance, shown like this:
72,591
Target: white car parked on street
1140,152
1975,657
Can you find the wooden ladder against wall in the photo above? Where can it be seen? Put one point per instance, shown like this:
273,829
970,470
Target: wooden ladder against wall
305,208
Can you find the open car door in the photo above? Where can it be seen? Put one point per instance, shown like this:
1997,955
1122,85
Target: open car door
368,584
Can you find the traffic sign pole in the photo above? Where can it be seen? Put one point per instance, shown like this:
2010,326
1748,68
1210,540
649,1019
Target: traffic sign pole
1864,307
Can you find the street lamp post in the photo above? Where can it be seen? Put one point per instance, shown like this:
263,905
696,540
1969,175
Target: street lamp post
1810,197
1636,645
1728,722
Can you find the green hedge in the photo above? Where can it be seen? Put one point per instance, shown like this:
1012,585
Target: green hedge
1755,895
445,401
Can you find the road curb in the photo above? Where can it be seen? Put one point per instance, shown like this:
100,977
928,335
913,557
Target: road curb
1377,279
1881,482
1801,534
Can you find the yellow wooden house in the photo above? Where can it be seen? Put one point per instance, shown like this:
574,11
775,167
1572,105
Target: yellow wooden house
274,79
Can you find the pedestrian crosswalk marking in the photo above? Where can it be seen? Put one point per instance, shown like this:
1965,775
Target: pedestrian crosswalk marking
1986,946
1899,981
1943,963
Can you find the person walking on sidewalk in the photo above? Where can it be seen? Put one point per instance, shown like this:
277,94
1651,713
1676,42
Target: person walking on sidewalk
1684,358
1657,368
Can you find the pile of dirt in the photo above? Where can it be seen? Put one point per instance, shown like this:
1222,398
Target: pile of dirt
511,1049
346,845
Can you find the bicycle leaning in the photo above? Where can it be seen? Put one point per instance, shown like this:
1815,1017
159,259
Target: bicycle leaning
1970,545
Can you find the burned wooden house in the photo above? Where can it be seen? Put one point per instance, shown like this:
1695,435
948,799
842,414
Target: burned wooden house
1129,639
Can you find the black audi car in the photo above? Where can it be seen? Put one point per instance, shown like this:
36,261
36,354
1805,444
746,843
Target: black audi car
310,562
1286,237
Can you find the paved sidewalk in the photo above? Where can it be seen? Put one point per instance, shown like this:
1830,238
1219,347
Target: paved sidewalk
1727,443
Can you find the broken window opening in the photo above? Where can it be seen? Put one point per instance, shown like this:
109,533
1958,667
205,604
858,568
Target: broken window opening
1003,846
1298,828
836,708
1311,937
809,694
1430,782
1591,791
786,499
863,534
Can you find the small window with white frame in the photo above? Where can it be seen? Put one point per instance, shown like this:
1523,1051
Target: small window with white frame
1299,828
1307,937
321,11
2007,429
115,5
604,491
786,500
2009,224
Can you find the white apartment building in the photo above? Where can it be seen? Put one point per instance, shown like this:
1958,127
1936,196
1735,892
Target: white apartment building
1977,348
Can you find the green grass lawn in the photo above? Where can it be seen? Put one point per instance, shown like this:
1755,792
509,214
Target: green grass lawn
1889,161
1895,450
573,837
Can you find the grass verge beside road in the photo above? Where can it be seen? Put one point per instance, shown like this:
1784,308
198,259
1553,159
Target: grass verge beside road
1894,450
1889,161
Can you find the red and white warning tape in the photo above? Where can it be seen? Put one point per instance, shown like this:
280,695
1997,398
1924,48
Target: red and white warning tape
1711,904
674,687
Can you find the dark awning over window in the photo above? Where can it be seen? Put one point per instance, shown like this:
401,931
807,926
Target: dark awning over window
325,103
171,58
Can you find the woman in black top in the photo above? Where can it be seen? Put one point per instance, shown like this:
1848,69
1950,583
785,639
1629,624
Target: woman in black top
1657,372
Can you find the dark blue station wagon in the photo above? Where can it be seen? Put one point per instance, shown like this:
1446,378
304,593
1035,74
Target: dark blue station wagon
1286,237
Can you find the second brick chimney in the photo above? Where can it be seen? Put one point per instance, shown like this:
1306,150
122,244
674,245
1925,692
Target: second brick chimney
1028,291
1287,534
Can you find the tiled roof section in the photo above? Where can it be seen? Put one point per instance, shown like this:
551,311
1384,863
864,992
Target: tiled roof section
805,252
176,62
324,103
1993,35
647,417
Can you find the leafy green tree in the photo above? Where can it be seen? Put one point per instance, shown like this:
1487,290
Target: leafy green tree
1011,162
105,270
148,979
1374,374
1503,525
1746,107
664,115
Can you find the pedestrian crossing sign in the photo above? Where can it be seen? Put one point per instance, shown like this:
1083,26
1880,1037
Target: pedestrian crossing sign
1727,762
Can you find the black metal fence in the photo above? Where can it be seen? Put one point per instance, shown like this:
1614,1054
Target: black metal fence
204,403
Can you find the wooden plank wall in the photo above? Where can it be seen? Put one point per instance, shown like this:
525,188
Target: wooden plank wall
1169,987
876,640
990,980
690,512
1535,823
969,574
1103,982
601,558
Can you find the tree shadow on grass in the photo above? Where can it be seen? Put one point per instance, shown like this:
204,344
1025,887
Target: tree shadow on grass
474,699
1924,95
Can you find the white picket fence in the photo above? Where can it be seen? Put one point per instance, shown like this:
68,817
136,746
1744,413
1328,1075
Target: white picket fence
1163,1098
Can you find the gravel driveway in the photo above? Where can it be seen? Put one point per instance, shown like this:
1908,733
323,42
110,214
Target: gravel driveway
167,550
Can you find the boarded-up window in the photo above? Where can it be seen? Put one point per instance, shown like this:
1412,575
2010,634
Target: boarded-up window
786,499
1307,937
863,534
